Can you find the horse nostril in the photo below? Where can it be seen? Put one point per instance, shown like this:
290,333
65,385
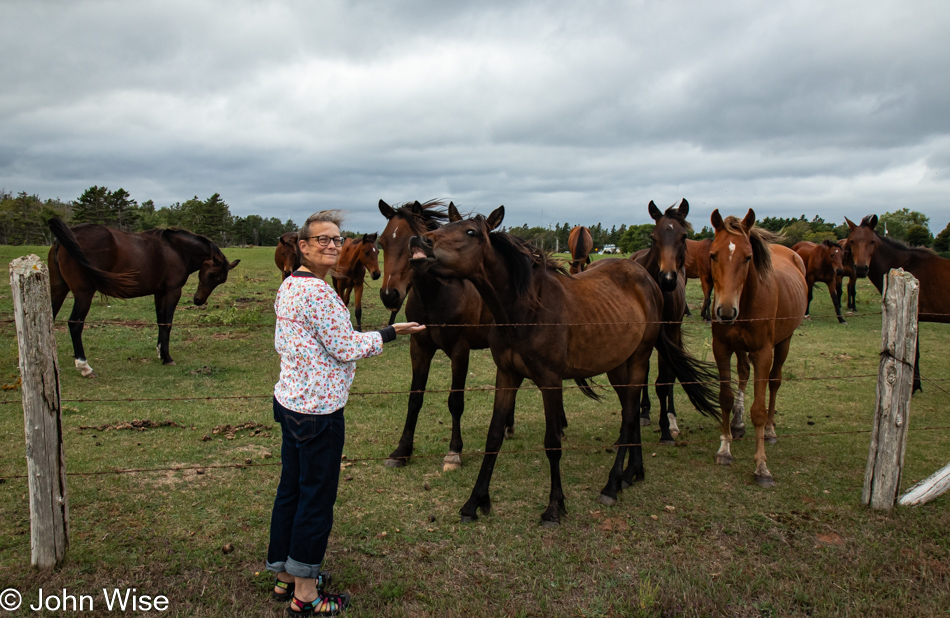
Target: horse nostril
375,276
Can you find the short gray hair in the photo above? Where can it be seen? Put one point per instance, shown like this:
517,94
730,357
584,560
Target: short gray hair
324,216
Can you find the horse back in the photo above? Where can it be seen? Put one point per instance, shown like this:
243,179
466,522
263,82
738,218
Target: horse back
933,274
697,258
792,290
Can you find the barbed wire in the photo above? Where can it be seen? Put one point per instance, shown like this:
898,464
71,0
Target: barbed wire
407,458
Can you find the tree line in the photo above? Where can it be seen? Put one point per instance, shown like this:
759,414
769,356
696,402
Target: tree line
908,226
23,221
23,217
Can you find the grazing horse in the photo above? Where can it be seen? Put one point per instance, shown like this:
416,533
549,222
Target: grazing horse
286,255
823,262
697,267
440,304
665,260
580,243
356,258
551,326
93,258
761,297
875,255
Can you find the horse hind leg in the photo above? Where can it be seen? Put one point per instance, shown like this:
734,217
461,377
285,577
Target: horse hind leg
737,427
453,460
82,303
358,301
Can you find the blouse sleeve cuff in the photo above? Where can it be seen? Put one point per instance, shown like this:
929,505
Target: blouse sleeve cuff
388,333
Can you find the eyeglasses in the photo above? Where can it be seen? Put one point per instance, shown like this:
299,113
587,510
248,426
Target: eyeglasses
324,241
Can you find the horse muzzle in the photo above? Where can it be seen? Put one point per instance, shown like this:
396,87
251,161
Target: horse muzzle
391,299
861,271
421,256
726,315
375,275
199,301
667,281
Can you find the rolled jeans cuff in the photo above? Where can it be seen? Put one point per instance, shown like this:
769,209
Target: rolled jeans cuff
299,569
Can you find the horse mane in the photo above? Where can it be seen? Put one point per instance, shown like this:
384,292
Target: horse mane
165,232
674,212
760,238
521,258
432,216
831,244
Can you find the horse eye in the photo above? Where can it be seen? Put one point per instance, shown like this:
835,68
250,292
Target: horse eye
712,256
472,233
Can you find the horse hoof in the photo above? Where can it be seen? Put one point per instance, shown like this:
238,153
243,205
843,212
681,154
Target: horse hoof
738,433
91,374
644,422
451,462
771,440
670,441
466,519
395,463
763,480
169,363
606,500
549,524
509,432
724,460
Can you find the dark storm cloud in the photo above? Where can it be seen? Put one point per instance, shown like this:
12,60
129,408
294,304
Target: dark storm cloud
562,111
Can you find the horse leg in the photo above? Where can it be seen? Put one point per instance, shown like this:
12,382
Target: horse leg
779,354
664,392
762,361
707,297
57,285
459,358
82,301
737,427
358,301
421,358
506,390
627,380
553,399
165,313
645,402
852,294
836,301
918,386
811,287
723,356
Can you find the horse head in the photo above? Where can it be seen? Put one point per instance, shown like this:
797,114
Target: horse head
457,250
669,241
835,256
731,259
404,222
213,272
862,241
369,255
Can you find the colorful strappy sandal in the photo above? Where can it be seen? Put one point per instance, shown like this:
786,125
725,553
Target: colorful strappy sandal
323,580
326,604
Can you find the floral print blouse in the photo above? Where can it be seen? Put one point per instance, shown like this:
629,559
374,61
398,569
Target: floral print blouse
317,345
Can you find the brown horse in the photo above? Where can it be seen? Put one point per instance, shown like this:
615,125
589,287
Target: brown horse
875,255
579,243
665,260
286,255
357,257
761,297
697,267
439,304
823,263
847,270
551,326
93,258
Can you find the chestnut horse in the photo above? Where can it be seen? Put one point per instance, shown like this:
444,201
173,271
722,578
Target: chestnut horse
875,255
665,260
356,258
697,267
761,297
92,258
551,326
439,304
579,243
286,256
823,263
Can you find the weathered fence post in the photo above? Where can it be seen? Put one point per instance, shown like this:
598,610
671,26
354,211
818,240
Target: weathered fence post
42,414
928,489
894,387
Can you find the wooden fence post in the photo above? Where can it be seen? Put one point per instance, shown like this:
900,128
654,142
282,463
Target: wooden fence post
895,380
928,489
42,414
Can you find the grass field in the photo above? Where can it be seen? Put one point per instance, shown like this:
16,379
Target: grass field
693,539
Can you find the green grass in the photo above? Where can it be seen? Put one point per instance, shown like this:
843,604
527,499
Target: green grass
693,539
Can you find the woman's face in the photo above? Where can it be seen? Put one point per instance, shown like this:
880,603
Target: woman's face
320,259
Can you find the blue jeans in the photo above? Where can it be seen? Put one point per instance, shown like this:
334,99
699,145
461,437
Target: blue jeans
310,475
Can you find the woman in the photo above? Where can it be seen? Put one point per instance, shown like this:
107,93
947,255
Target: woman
318,352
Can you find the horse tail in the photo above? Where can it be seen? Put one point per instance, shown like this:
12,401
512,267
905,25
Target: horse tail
108,283
698,378
585,387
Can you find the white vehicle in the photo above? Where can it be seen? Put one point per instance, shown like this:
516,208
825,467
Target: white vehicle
609,249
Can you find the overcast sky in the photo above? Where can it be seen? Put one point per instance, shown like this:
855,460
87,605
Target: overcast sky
577,112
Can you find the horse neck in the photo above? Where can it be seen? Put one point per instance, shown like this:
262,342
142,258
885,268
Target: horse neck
190,250
651,262
884,259
494,284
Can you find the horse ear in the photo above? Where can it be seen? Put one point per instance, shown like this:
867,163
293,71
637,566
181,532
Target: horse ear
495,218
716,220
749,220
386,210
872,222
850,223
454,214
654,211
371,238
683,208
233,264
416,207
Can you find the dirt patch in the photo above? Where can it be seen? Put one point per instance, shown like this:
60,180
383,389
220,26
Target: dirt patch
230,432
137,424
